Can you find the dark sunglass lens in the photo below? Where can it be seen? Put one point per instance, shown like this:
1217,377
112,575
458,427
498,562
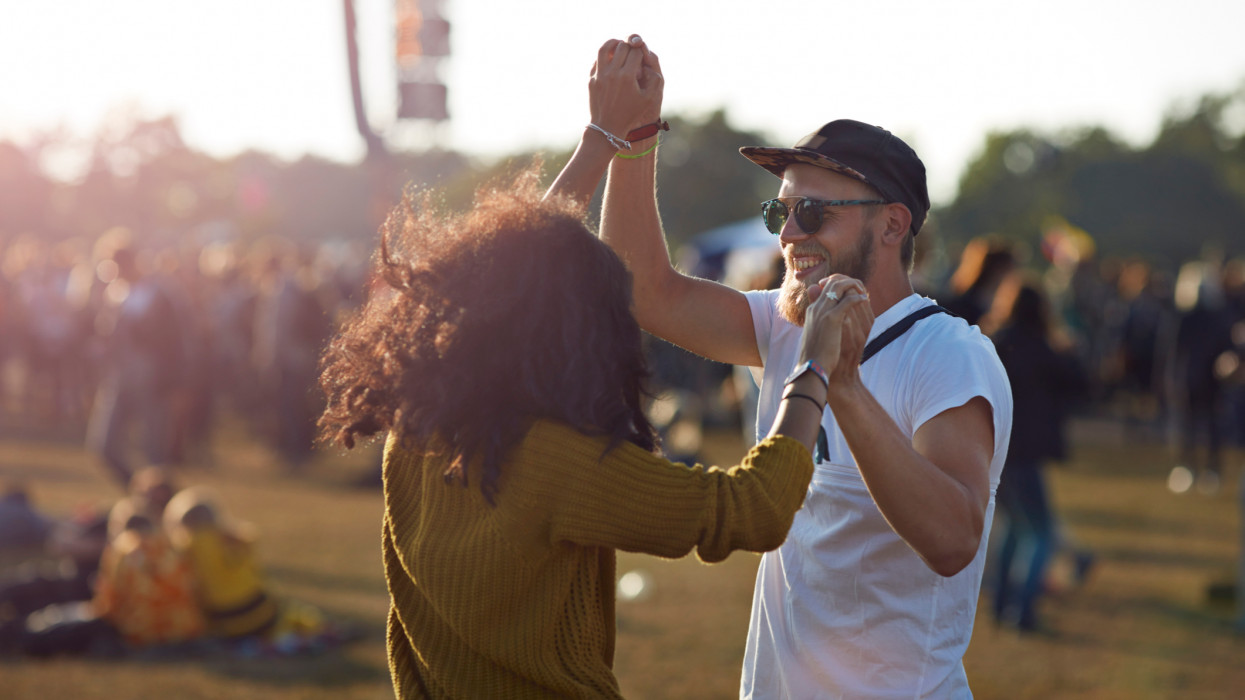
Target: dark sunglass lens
774,213
808,216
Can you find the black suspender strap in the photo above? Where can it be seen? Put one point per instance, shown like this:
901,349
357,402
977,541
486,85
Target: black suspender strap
823,445
900,327
873,348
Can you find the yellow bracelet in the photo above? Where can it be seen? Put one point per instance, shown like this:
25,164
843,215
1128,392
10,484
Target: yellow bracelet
641,154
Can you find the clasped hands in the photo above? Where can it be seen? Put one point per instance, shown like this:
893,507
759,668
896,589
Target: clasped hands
836,327
626,86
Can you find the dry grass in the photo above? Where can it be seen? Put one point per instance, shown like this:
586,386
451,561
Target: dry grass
1141,628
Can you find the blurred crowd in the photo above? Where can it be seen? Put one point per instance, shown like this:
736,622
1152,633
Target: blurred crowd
1161,350
140,352
109,337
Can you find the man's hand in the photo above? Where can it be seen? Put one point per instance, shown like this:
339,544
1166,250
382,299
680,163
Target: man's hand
626,87
624,93
856,324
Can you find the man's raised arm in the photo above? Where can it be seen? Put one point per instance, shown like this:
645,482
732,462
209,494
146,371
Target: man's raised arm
704,317
624,89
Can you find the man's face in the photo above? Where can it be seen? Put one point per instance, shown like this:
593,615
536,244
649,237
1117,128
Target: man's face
843,244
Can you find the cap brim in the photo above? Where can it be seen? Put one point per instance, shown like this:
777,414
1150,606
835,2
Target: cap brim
776,160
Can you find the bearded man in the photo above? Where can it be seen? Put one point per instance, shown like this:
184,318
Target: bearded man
875,590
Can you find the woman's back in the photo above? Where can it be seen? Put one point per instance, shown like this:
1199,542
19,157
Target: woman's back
517,599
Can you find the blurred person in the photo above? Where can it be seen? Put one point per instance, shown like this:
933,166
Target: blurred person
1088,307
192,420
231,317
55,335
65,568
149,492
1045,377
984,262
873,592
231,588
1232,365
292,326
1202,334
1148,310
143,598
23,529
146,589
62,571
505,365
229,583
143,371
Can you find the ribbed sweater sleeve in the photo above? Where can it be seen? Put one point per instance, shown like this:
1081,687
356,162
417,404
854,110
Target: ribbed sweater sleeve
629,499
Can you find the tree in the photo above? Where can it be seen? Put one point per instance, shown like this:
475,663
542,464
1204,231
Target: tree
1166,202
703,180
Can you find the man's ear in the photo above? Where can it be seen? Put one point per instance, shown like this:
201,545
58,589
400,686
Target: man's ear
898,220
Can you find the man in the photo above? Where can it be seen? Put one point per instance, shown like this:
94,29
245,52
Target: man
875,590
143,370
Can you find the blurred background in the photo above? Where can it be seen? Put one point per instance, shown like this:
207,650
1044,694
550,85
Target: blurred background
189,199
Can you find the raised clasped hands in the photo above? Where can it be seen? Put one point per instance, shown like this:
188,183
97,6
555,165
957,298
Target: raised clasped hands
625,90
836,327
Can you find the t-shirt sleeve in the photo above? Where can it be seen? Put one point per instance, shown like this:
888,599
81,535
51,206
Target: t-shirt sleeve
965,367
761,303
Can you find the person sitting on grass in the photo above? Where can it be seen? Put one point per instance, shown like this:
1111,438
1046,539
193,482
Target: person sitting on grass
23,529
233,594
146,588
505,366
144,600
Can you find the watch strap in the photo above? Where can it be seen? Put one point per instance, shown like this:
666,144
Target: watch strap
810,366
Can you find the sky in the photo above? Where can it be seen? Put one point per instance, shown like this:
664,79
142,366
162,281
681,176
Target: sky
271,74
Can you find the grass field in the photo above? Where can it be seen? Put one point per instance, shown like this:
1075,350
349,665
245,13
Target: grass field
1142,627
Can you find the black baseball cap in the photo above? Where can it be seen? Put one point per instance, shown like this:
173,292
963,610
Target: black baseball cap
867,153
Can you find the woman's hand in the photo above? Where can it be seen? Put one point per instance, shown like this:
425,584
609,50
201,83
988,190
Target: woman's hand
836,326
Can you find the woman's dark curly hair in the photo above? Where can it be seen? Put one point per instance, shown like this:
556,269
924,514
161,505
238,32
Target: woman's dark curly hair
487,321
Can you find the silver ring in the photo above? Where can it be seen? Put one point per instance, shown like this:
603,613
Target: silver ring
832,295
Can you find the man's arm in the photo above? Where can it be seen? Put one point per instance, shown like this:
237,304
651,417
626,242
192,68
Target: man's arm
707,318
933,489
624,89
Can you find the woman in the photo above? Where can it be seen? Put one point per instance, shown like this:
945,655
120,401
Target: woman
1045,377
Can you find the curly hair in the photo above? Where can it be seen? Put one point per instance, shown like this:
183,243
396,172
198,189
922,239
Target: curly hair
488,321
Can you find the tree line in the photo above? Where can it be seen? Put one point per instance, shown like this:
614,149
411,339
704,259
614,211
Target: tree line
1166,201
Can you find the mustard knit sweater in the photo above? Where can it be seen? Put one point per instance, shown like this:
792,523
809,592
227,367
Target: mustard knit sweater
517,599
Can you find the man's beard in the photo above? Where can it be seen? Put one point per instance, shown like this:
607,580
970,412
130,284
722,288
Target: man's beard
857,263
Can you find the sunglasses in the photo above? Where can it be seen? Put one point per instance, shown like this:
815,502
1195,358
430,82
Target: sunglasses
808,211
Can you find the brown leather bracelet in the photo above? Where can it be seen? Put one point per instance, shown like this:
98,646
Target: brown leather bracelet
643,132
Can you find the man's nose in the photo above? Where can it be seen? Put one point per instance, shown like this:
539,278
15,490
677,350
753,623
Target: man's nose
791,232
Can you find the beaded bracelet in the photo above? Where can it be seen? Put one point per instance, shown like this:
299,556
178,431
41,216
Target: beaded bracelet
641,154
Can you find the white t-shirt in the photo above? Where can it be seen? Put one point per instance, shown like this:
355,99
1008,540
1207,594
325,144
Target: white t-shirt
845,608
